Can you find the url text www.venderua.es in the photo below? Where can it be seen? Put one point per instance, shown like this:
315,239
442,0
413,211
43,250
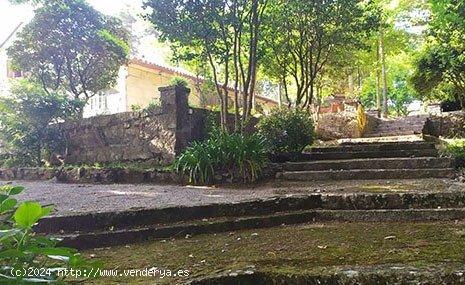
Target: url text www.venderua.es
153,272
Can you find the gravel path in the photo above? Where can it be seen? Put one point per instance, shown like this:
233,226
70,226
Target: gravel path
81,198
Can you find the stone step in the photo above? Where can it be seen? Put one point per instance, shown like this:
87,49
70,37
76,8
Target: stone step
127,236
388,140
401,125
391,134
376,147
367,154
378,163
397,129
161,217
366,174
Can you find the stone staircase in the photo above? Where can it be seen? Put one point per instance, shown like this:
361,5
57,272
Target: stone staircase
364,160
94,230
400,126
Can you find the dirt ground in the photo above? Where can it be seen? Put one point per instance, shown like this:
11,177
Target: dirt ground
84,198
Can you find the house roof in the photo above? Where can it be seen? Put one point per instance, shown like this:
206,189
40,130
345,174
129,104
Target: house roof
10,35
183,73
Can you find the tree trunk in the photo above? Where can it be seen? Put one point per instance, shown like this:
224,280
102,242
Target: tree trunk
378,83
383,73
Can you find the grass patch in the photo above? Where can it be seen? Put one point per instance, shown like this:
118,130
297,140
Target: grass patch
300,249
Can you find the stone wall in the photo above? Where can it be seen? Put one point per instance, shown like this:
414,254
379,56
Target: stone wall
448,125
158,135
332,126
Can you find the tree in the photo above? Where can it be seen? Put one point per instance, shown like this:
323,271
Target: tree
303,37
226,34
24,122
441,65
70,46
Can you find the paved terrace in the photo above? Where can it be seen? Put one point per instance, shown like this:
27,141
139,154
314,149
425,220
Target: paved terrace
85,198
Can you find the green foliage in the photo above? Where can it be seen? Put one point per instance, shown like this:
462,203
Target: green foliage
223,34
304,37
239,156
152,106
441,65
287,131
136,108
400,91
401,95
25,118
456,148
179,81
71,46
21,249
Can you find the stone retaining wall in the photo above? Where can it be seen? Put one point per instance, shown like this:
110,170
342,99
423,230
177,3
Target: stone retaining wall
91,175
448,125
155,136
341,125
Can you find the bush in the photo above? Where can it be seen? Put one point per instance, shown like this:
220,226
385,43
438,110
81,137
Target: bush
152,106
236,155
25,118
136,108
178,81
287,131
456,148
21,249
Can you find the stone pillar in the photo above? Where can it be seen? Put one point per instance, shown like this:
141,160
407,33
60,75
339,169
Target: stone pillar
175,103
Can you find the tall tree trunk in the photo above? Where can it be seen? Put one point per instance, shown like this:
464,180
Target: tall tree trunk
378,82
383,73
351,85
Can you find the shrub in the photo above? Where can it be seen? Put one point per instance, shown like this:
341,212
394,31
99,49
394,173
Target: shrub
136,108
236,155
152,106
456,148
287,131
25,118
178,81
21,249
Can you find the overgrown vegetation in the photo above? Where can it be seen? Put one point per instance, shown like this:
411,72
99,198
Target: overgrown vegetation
456,149
236,156
178,81
287,131
25,120
440,68
22,250
303,250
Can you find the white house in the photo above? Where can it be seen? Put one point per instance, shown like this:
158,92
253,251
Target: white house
107,102
5,73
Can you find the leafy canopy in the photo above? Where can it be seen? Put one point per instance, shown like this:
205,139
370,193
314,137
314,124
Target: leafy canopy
440,68
25,117
71,46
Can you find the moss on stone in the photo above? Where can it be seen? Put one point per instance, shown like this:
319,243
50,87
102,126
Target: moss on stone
304,249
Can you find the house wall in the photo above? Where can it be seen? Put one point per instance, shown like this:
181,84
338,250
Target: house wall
138,85
143,81
142,85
